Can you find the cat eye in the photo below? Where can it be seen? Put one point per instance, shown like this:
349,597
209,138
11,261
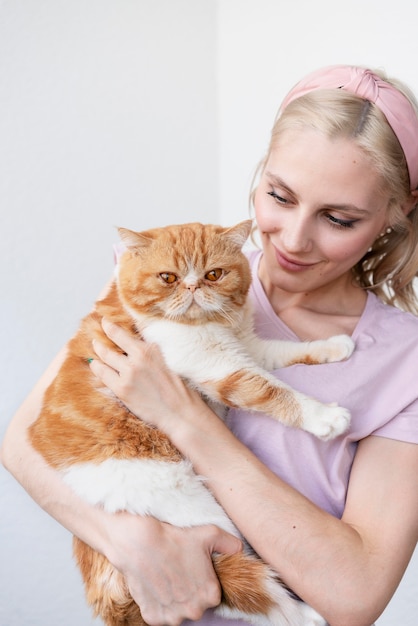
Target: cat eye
214,275
168,277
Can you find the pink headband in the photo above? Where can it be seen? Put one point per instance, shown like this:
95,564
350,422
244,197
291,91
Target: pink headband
396,107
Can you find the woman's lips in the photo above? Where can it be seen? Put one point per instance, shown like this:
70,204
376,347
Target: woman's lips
290,264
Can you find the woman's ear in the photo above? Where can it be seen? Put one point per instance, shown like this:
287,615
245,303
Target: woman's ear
411,202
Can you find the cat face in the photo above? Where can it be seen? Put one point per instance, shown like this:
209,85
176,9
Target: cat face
189,273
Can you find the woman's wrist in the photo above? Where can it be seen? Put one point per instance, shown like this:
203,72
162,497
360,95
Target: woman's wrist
193,424
119,532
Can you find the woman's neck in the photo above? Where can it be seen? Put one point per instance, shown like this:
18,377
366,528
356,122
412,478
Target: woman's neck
333,309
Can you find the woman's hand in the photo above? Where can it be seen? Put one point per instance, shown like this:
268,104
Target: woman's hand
141,380
168,569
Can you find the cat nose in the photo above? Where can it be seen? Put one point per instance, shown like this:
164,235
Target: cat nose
191,282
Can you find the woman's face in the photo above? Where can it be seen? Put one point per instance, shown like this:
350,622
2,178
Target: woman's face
319,207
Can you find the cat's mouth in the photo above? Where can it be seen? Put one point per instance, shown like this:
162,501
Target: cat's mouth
201,303
194,300
191,311
187,308
193,307
195,310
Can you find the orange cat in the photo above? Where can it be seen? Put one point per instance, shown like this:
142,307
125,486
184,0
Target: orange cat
185,288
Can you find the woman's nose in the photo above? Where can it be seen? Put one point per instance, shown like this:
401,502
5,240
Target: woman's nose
296,235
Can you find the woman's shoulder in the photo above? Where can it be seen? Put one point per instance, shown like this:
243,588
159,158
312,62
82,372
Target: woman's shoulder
387,333
390,318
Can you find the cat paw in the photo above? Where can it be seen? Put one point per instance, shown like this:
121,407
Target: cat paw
339,348
325,421
311,617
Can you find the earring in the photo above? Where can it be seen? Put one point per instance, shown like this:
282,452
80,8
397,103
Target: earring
386,232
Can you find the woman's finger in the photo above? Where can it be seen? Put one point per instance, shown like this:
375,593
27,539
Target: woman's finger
120,336
108,376
110,357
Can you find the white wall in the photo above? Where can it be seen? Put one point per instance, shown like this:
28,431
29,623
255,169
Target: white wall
107,117
136,113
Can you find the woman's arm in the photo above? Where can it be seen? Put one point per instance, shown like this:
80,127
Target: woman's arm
169,570
346,569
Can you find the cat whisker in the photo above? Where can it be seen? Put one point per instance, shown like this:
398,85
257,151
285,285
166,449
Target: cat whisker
228,314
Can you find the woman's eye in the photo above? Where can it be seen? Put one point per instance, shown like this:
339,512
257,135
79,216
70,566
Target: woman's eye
214,275
340,223
168,277
277,197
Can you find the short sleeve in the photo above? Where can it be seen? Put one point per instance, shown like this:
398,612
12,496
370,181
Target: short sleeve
403,427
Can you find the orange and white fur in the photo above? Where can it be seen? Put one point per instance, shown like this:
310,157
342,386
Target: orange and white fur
185,288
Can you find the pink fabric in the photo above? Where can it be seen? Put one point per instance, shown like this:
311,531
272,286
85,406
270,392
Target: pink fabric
397,109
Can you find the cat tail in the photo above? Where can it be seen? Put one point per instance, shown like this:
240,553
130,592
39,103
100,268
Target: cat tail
253,592
106,589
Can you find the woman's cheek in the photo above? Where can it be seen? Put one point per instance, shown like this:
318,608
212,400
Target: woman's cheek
267,219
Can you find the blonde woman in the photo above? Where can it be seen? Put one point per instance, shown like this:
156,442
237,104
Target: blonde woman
335,207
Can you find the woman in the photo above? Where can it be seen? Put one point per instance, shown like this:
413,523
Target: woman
336,210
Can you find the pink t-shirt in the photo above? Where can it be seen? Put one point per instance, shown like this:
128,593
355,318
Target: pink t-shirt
378,384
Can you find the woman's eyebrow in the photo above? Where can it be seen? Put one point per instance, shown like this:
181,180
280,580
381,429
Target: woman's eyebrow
277,180
343,206
352,208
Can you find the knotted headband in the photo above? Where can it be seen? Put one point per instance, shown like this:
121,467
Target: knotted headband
396,107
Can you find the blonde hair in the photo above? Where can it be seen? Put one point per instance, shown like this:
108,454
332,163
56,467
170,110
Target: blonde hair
391,264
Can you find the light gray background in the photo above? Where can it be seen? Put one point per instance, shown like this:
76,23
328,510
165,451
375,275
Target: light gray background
137,113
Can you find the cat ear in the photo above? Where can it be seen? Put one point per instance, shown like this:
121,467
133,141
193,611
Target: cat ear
240,232
134,240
